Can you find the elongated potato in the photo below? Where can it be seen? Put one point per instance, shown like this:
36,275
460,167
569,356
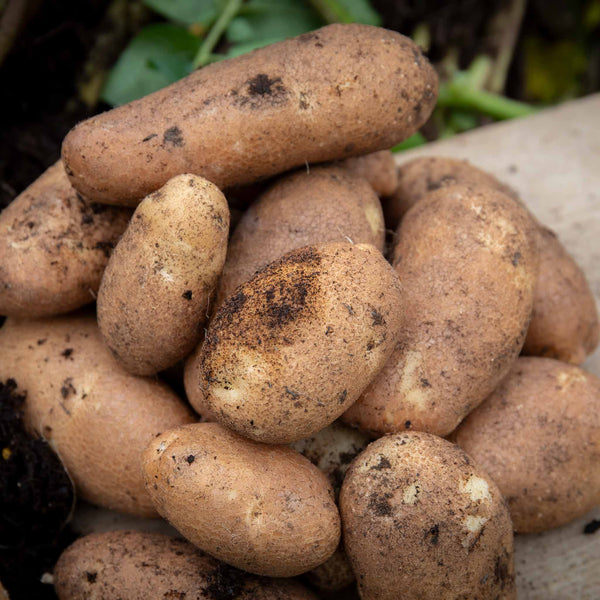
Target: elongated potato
467,261
133,565
326,204
422,521
378,168
264,509
53,247
172,253
340,91
97,417
564,322
297,344
538,436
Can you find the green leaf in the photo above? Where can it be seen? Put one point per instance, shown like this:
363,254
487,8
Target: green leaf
361,11
272,20
415,140
158,56
186,12
238,49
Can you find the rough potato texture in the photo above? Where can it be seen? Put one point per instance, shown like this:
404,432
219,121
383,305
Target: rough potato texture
326,204
96,416
538,436
292,348
421,176
133,565
340,91
422,521
332,450
564,323
156,288
53,247
378,168
264,509
467,261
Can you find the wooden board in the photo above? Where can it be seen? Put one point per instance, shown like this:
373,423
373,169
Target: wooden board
553,160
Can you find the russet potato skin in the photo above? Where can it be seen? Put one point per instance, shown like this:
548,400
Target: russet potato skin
378,168
538,436
95,415
292,348
467,263
325,204
422,521
133,565
564,323
156,288
340,91
53,247
262,508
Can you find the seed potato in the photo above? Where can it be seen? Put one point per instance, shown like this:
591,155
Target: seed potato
467,261
172,253
339,91
264,509
422,521
297,344
378,168
96,416
53,247
133,565
538,436
326,204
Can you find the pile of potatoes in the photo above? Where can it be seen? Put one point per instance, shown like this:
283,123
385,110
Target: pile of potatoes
345,417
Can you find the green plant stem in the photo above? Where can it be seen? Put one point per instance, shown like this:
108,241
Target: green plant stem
456,95
332,11
230,10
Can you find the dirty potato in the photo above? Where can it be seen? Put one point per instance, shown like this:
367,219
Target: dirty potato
326,204
95,415
422,521
339,91
538,436
53,247
378,168
155,291
265,509
292,348
467,261
141,566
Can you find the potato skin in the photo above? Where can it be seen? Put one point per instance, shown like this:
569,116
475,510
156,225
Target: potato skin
172,252
264,509
467,262
340,91
420,176
378,168
141,566
538,436
564,323
297,344
96,416
53,247
326,204
420,519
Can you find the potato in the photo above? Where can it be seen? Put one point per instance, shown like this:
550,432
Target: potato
3,593
538,436
141,566
421,176
467,262
326,204
54,247
378,168
172,252
422,521
297,344
561,288
564,323
332,450
264,509
340,91
96,416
